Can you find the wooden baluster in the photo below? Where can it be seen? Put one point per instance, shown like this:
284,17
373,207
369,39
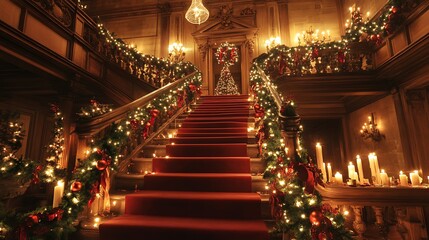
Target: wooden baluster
358,224
290,133
379,221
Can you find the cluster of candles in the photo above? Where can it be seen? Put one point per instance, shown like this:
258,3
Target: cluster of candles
378,177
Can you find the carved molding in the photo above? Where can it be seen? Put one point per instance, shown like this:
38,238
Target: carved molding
248,12
250,44
204,48
57,9
224,15
417,95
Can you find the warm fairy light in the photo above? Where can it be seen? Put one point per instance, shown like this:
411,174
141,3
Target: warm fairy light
346,213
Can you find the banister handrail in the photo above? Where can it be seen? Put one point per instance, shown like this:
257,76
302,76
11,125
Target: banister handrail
97,123
277,99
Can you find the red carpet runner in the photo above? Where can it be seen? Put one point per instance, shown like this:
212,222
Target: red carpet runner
202,190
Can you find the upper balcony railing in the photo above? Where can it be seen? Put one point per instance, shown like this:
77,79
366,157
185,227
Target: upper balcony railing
367,45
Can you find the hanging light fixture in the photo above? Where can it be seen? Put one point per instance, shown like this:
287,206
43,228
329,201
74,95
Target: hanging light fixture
197,13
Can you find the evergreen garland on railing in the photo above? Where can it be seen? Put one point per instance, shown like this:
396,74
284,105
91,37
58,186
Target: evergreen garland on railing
295,204
90,177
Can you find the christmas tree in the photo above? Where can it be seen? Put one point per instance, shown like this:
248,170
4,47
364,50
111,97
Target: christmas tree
226,84
226,54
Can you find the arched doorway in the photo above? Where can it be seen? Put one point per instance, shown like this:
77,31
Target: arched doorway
239,30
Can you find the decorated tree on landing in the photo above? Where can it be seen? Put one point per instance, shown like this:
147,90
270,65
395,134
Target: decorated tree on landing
226,54
226,84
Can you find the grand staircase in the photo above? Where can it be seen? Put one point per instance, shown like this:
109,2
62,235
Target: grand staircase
202,186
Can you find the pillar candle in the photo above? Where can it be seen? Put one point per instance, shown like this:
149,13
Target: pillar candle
95,206
371,165
330,173
414,177
319,158
384,178
377,168
351,171
58,194
360,168
403,179
325,175
339,178
356,176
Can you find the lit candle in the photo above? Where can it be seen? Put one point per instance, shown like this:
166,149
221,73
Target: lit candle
384,178
371,165
360,168
58,194
330,173
325,176
319,158
377,168
338,178
403,179
414,177
95,205
351,169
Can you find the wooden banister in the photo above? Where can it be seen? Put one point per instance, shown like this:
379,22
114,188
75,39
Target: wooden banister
96,124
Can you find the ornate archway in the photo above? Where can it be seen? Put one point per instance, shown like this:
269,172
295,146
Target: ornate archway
225,27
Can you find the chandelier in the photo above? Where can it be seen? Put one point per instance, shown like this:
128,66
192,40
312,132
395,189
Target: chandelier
310,37
197,13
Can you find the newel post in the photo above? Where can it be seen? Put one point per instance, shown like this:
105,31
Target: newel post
290,128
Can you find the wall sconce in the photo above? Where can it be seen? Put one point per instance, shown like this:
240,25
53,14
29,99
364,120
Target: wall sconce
370,130
176,52
272,42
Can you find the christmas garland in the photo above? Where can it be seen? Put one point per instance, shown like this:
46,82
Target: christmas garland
227,53
295,204
351,54
91,177
94,109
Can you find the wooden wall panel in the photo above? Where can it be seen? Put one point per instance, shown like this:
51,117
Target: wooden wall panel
79,27
139,26
419,27
45,35
79,55
94,66
399,42
389,150
382,55
10,13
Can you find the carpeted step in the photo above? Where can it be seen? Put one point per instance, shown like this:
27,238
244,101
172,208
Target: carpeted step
208,140
224,97
222,107
215,124
216,114
212,130
136,227
199,182
201,164
219,118
194,204
207,150
214,134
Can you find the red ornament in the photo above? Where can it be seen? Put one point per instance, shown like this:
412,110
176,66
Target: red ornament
76,186
102,164
322,236
192,87
341,57
316,217
32,220
134,124
395,9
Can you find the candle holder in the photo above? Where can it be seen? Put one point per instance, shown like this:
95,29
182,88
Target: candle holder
370,131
